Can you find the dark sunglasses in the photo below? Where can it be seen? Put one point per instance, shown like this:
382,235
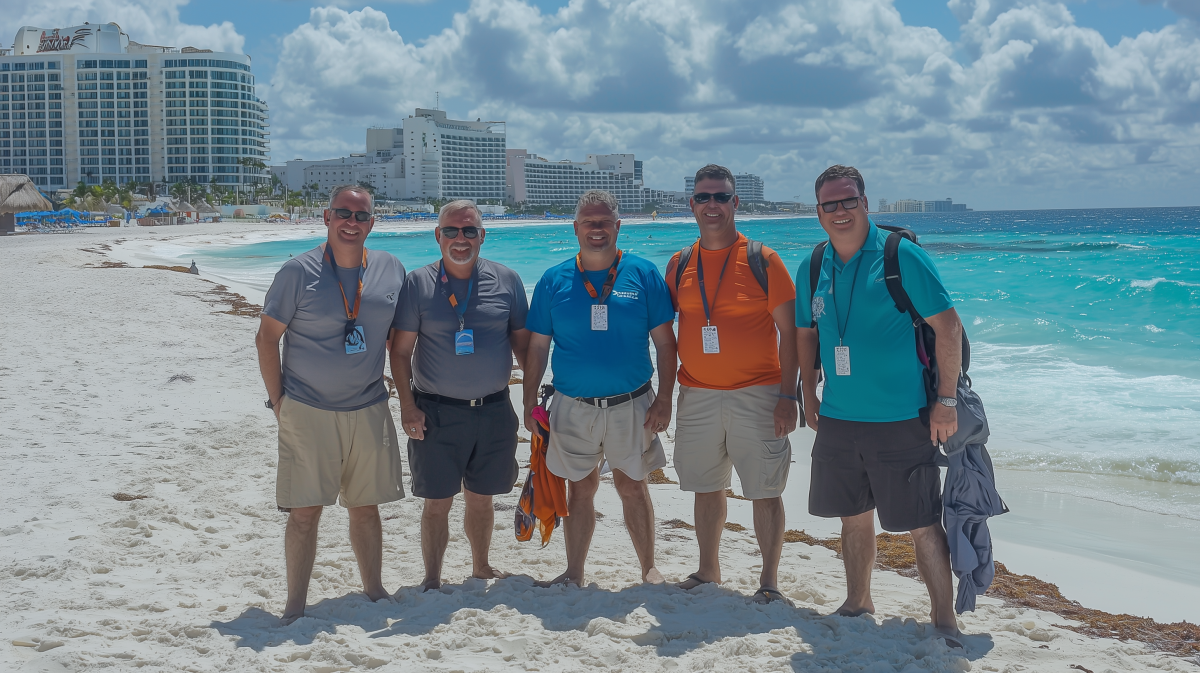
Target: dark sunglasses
849,204
452,232
703,197
345,213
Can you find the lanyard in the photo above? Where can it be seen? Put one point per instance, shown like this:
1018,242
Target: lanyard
849,304
700,276
460,310
608,282
350,315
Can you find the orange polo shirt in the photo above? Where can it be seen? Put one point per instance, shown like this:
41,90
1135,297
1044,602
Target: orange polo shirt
741,311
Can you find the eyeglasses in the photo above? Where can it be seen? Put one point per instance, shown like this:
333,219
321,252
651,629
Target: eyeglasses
849,204
703,197
452,232
345,213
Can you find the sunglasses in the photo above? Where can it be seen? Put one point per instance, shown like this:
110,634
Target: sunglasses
452,232
849,204
345,213
703,197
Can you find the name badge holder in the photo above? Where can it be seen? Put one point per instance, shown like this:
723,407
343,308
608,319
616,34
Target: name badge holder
599,309
464,339
841,352
709,338
356,335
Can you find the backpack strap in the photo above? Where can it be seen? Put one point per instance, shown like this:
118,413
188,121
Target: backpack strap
758,263
685,256
814,276
895,287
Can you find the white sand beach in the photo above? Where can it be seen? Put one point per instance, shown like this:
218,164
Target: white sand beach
135,381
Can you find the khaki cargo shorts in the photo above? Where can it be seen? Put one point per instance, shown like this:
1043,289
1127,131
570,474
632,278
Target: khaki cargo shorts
717,431
581,435
350,457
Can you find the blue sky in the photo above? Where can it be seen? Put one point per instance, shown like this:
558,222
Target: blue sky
996,103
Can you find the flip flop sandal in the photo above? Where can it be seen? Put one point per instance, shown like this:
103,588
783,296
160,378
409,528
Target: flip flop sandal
700,581
770,596
951,638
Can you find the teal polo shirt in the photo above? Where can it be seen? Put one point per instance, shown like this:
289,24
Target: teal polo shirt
885,382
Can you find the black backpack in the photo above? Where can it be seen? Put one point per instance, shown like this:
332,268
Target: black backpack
754,257
923,334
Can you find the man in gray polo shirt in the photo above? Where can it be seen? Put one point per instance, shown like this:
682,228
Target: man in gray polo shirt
334,307
461,321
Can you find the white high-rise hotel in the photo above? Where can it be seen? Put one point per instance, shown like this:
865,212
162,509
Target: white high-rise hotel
88,104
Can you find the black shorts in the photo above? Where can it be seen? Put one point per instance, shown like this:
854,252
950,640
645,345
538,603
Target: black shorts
859,466
464,446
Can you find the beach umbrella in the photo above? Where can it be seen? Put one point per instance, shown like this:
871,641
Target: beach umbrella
969,499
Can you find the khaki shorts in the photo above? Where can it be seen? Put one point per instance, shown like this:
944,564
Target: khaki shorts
716,430
324,454
581,435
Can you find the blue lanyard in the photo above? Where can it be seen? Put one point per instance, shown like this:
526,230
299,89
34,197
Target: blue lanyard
832,289
459,308
700,277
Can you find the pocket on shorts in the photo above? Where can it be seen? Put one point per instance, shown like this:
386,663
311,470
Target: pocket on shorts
776,462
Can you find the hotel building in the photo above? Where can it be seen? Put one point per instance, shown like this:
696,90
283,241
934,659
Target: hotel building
749,187
88,104
535,180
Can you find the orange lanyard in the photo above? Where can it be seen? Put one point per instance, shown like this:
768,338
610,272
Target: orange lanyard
608,282
350,315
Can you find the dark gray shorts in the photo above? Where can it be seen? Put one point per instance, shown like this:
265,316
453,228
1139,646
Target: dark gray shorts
891,467
471,447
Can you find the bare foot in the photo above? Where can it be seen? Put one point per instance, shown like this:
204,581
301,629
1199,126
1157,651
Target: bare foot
376,594
850,610
431,584
652,576
489,573
563,579
694,580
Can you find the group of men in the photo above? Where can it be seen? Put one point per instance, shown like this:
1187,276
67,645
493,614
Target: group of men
744,354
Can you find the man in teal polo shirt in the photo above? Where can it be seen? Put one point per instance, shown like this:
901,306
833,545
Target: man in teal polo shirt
872,451
601,308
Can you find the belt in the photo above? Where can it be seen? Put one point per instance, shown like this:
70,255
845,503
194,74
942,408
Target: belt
606,402
454,401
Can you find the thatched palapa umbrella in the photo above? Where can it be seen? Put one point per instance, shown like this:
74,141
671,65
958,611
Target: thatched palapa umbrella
18,195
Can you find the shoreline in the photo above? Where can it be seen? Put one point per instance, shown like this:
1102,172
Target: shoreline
165,403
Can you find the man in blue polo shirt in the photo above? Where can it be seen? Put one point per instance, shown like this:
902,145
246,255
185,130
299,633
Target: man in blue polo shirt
872,451
601,308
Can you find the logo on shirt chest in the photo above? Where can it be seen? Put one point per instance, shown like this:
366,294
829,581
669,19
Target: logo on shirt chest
818,307
625,294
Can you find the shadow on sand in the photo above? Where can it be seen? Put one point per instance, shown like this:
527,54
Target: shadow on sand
671,620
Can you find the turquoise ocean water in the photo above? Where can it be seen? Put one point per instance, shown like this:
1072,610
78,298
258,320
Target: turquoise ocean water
1085,324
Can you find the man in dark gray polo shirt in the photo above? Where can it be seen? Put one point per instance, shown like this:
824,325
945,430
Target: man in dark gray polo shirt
461,321
334,307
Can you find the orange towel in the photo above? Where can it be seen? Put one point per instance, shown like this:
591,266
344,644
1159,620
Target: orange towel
543,500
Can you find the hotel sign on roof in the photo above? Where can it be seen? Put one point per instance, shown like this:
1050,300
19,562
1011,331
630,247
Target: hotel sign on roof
62,41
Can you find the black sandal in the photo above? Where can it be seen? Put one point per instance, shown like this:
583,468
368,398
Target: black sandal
700,581
770,596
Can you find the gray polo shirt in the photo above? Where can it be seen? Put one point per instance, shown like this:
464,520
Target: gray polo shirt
497,306
305,296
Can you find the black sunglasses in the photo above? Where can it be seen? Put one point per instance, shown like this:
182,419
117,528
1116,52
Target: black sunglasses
849,204
452,232
703,197
345,213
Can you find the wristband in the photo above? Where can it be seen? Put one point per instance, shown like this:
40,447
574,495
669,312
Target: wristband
789,397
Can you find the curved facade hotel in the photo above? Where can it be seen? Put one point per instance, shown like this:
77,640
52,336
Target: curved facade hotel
88,104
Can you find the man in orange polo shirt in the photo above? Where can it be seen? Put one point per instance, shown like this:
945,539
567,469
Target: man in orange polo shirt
737,395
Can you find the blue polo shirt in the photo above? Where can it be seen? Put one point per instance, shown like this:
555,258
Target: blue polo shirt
885,382
590,363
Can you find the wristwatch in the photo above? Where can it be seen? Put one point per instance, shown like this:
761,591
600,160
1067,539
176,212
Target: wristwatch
948,401
268,404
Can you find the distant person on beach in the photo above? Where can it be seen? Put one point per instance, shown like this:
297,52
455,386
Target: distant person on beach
601,308
872,450
334,307
461,321
737,394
